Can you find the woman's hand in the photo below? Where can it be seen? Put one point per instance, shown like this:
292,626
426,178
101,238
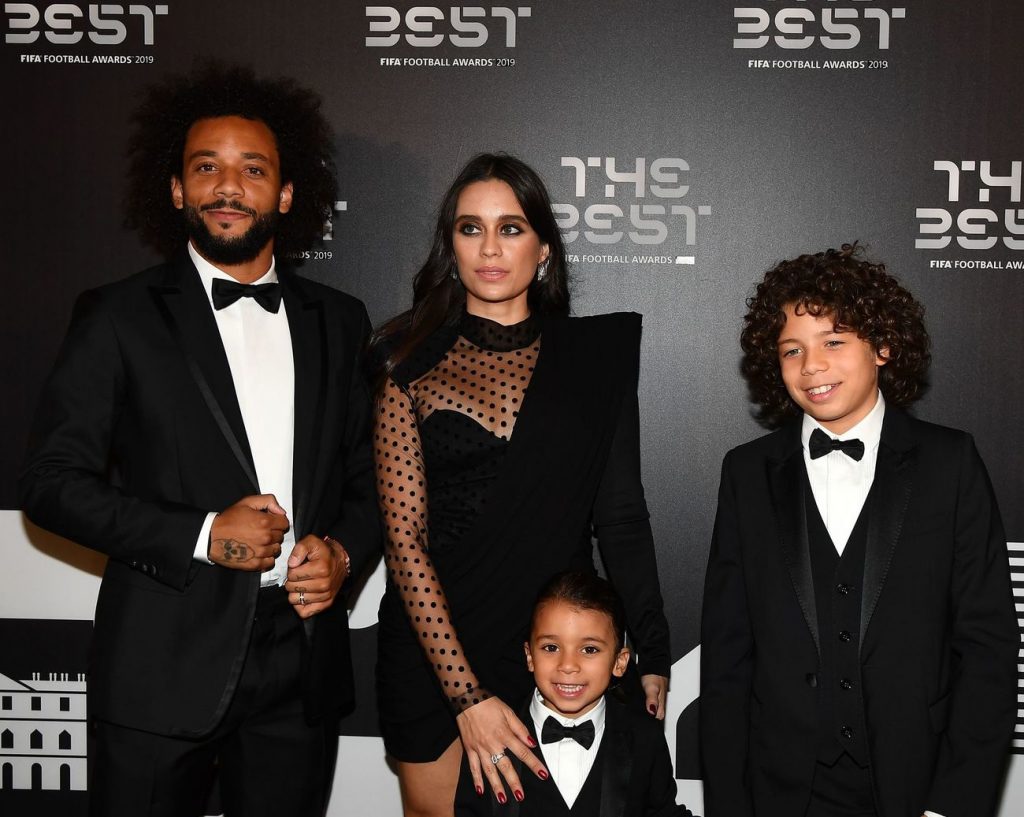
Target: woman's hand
655,690
491,728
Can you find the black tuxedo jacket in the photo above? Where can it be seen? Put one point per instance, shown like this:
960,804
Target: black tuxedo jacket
938,631
634,767
139,435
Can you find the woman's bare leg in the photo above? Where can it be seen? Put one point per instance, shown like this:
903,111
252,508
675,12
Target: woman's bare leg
428,789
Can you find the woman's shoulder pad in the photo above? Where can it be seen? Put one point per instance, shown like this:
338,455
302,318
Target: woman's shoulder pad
611,324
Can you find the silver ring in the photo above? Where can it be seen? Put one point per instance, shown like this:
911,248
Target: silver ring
302,597
497,757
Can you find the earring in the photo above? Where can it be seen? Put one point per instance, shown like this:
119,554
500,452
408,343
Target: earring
455,273
542,270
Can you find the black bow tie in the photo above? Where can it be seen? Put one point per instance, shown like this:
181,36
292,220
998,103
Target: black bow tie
552,732
821,444
227,292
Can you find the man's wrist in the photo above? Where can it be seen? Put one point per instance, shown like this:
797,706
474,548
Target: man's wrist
345,558
202,548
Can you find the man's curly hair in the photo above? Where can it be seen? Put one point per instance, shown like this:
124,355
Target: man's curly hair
859,296
157,143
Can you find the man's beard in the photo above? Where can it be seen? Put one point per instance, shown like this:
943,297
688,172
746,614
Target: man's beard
230,251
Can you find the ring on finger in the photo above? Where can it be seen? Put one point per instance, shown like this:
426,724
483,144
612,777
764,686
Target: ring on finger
302,597
497,757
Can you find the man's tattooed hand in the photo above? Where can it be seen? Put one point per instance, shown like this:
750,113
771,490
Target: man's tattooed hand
248,534
234,551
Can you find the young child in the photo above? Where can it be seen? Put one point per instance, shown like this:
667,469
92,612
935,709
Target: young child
604,759
859,640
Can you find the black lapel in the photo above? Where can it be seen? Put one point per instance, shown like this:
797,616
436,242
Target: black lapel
186,310
786,478
309,353
890,495
617,770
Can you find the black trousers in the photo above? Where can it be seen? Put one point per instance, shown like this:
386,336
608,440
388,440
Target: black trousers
841,790
269,760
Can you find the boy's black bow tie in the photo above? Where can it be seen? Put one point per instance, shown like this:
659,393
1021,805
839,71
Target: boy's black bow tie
227,292
821,444
552,732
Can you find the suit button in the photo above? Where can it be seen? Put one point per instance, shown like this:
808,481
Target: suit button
844,589
133,564
152,571
845,636
846,683
846,732
812,680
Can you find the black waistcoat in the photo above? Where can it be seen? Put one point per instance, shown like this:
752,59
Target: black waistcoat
838,590
544,800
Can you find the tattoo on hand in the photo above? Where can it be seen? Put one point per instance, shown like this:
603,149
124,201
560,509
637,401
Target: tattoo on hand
234,551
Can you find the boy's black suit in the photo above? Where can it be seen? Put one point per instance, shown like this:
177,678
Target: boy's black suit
632,775
139,435
938,633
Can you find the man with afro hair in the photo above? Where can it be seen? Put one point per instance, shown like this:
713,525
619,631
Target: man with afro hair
206,426
859,640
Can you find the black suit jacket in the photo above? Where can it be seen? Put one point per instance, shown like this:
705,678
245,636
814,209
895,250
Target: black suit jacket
139,435
938,631
635,772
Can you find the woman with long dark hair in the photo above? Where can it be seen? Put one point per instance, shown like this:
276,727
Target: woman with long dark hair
507,436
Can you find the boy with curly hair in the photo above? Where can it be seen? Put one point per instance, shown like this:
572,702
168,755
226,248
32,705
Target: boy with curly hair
859,640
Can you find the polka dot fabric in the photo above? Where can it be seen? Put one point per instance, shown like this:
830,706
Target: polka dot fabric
451,423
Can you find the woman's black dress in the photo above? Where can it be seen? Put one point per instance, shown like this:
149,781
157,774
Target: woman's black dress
500,452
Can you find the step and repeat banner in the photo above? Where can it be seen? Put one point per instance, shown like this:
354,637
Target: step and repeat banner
688,145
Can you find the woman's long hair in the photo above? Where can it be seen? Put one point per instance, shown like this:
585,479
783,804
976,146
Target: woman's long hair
439,296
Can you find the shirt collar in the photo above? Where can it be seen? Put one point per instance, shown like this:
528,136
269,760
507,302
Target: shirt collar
540,712
207,272
495,337
868,430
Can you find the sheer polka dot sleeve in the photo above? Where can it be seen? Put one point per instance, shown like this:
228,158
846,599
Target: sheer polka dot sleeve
402,490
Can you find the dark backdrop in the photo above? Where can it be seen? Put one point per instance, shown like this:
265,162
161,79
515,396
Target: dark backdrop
689,144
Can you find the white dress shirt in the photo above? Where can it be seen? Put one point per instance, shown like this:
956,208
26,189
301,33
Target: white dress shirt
567,761
840,483
258,346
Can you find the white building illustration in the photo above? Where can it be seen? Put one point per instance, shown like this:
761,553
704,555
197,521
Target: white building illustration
43,732
1017,580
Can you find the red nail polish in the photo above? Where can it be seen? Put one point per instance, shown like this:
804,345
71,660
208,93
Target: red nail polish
543,774
519,795
502,798
652,709
531,742
480,791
